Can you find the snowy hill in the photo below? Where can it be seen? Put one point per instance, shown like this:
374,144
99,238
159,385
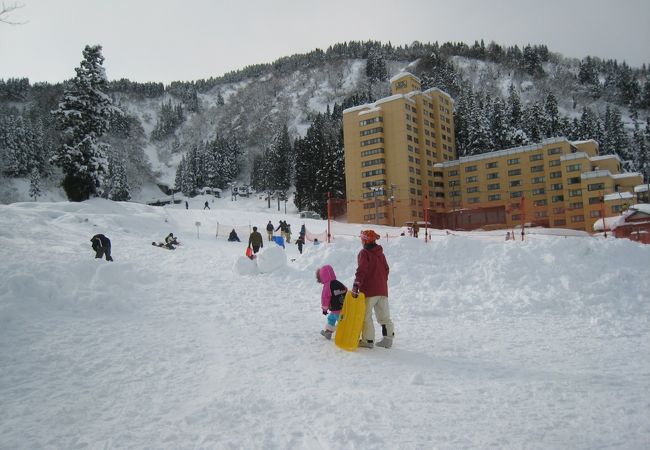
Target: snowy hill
508,344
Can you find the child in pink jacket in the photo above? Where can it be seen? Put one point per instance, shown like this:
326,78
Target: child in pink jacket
331,298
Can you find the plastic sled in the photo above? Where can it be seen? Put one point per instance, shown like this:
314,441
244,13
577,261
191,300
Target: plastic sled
350,325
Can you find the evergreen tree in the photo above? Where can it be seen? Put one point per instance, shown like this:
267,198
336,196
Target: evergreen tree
117,186
590,127
588,73
534,124
514,107
376,66
83,117
279,160
552,121
615,141
642,147
34,184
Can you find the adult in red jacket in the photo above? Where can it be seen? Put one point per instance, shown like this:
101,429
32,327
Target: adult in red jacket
371,278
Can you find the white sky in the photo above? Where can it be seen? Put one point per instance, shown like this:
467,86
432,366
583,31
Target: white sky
164,40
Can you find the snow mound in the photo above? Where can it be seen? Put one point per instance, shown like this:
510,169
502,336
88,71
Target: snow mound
245,266
271,259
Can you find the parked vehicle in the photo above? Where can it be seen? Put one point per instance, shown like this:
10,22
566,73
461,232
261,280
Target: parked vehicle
310,215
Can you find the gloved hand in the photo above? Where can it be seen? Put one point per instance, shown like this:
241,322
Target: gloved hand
355,291
324,312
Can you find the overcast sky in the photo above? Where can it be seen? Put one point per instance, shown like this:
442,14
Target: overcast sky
164,40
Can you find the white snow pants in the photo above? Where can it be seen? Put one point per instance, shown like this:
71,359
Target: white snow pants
379,304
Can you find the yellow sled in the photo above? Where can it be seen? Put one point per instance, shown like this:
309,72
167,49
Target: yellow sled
351,323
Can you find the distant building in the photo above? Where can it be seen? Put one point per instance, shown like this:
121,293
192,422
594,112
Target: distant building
401,165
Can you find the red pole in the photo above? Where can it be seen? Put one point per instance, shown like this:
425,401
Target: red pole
426,217
329,215
523,216
602,213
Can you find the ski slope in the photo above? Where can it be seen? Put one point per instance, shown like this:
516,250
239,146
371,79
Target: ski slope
536,344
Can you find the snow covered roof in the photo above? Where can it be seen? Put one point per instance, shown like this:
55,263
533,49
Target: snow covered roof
404,74
572,156
595,174
431,90
379,102
641,207
370,110
508,151
588,141
618,196
619,176
605,157
609,223
642,188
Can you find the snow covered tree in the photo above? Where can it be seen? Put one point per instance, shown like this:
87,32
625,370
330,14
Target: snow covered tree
116,184
552,121
34,184
83,117
376,65
642,147
589,126
279,160
614,140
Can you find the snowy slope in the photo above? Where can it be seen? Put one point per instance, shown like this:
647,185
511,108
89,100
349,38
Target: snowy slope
535,344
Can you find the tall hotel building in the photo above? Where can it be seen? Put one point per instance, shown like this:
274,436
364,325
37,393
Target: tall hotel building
401,165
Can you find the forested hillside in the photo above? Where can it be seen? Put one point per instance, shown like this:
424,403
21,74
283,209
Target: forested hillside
278,125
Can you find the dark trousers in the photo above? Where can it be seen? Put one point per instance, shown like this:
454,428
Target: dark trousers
104,251
256,248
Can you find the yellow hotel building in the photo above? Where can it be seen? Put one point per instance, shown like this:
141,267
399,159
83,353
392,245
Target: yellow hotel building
401,165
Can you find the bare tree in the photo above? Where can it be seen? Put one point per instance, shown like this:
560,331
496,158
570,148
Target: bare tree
5,10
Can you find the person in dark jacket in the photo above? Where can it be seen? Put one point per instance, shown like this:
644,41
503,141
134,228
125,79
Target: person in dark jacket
255,240
300,242
170,241
269,230
102,246
233,236
371,278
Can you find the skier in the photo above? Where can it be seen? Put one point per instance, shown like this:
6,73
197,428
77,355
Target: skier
371,278
233,236
332,298
255,240
269,230
102,246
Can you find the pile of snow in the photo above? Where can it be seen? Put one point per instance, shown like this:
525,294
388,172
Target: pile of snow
507,344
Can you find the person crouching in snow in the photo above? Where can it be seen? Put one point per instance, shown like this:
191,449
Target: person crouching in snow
102,246
332,298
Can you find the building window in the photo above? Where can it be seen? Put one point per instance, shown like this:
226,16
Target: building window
491,165
557,198
576,219
575,192
540,191
515,183
369,184
470,169
371,131
555,162
370,121
372,173
492,176
593,214
540,202
557,187
453,173
536,157
494,197
516,217
559,222
471,190
493,187
373,162
594,200
576,205
374,151
454,183
573,167
540,214
596,187
472,179
554,151
515,194
514,172
555,174
537,169
474,200
372,141
513,161
574,180
558,210
537,180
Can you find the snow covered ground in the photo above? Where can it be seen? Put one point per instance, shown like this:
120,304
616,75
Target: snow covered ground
499,344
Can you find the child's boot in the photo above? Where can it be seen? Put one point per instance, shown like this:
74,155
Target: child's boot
327,334
366,344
